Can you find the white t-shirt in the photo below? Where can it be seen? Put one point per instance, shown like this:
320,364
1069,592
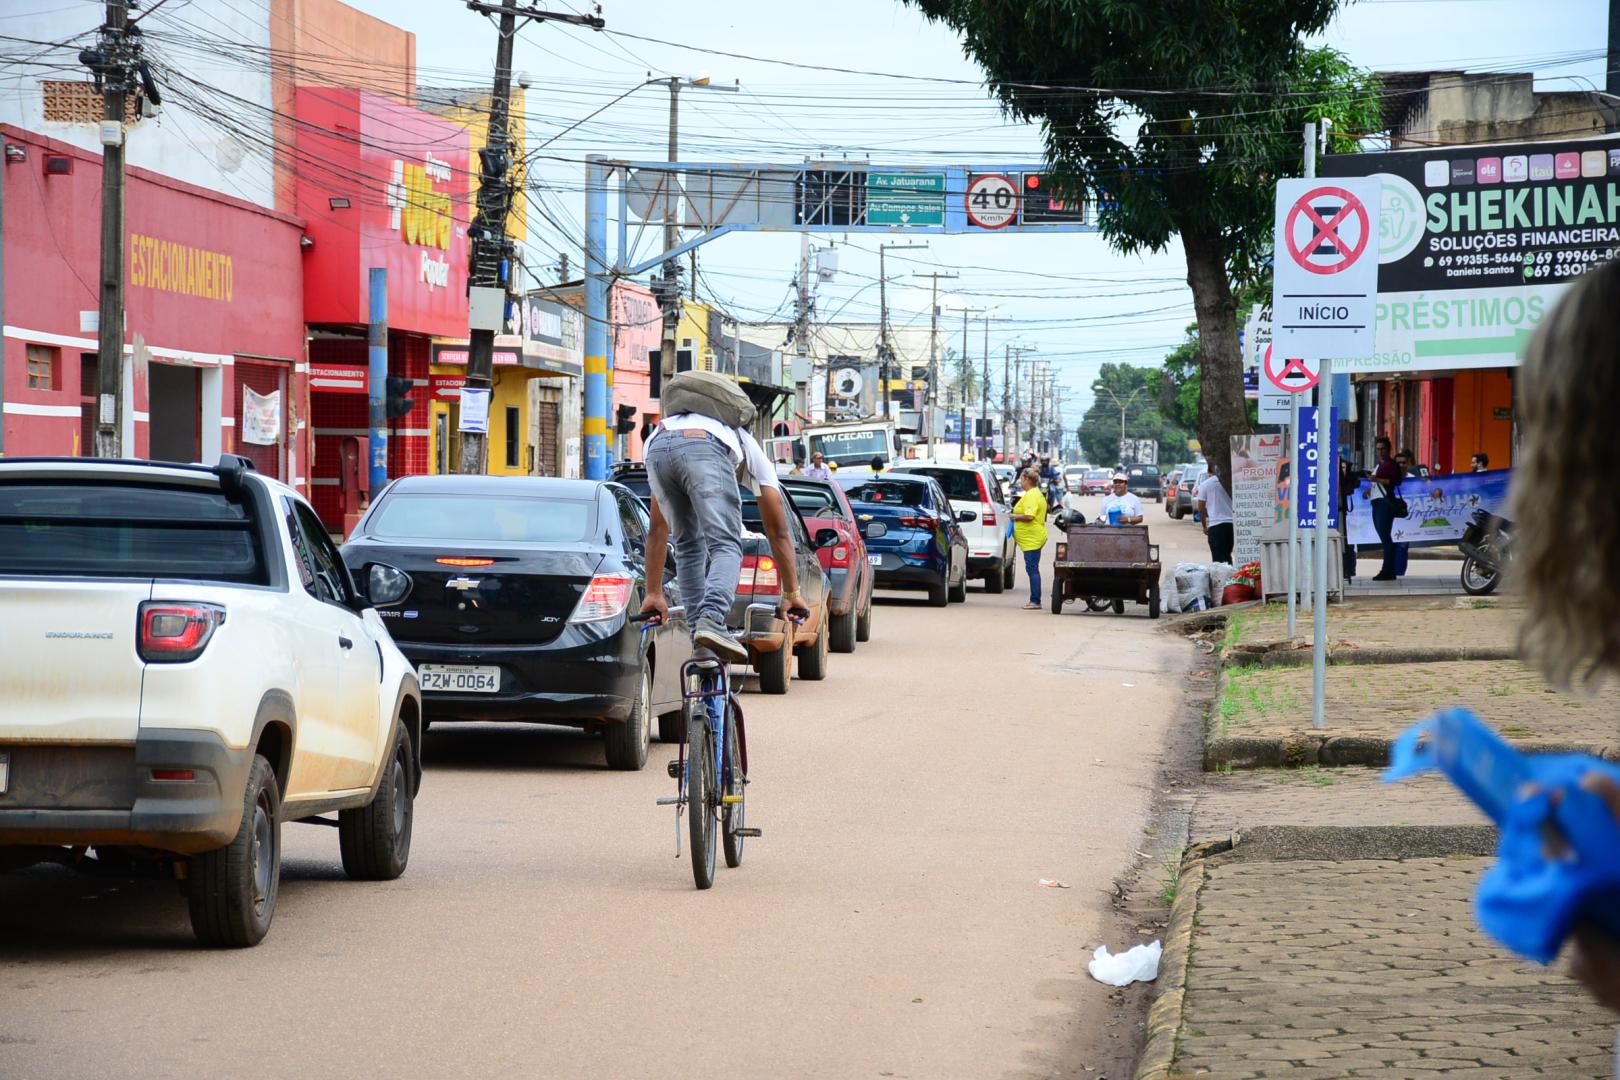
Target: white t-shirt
1129,506
757,472
1217,503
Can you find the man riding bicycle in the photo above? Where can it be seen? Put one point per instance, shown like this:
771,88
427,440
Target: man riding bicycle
696,459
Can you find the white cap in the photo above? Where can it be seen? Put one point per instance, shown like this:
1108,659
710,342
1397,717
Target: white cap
1121,476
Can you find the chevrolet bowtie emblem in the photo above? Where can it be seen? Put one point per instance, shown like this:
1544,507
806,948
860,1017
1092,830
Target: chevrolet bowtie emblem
462,583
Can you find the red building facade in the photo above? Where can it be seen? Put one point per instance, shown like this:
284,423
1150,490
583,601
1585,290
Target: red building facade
380,185
214,316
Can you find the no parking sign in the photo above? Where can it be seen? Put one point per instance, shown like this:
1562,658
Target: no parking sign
1325,267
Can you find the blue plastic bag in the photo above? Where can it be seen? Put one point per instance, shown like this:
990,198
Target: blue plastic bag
1527,901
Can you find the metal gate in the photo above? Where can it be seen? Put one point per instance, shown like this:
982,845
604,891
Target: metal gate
263,377
545,438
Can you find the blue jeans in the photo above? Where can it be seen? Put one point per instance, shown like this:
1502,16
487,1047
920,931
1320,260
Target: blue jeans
1032,570
695,483
1383,515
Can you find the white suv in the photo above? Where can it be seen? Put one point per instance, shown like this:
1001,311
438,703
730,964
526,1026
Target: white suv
975,495
186,665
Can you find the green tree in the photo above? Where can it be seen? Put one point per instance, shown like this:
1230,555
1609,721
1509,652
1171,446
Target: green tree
1179,118
1134,393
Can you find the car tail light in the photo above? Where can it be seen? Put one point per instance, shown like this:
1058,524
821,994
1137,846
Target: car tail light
914,521
987,507
606,596
759,575
840,555
457,560
172,633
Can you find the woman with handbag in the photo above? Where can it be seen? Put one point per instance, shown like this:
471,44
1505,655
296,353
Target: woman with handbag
1387,505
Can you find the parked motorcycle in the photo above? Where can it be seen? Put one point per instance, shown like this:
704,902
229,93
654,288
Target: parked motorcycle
1487,547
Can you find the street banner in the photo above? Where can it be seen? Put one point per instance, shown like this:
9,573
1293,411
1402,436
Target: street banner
1324,272
1256,462
261,418
1317,456
1440,507
1475,244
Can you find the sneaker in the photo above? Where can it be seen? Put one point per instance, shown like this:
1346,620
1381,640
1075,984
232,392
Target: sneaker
720,641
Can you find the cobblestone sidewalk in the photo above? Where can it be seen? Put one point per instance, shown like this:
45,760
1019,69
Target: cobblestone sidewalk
1370,705
1418,623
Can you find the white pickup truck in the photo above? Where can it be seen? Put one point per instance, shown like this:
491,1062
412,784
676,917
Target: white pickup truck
185,664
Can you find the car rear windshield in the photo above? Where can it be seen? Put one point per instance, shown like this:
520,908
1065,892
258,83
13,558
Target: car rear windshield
852,447
1143,472
103,529
889,492
1097,474
485,518
813,502
961,484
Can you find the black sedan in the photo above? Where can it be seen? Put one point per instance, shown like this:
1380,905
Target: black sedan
511,595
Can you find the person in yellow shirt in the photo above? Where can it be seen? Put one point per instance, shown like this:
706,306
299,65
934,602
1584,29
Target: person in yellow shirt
1029,531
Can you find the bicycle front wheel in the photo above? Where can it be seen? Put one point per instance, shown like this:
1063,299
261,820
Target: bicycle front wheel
701,796
735,787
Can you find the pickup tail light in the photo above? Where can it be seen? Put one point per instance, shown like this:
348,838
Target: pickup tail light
759,575
605,597
172,633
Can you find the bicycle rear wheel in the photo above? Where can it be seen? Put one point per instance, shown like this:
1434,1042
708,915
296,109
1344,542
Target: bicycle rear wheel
735,785
701,796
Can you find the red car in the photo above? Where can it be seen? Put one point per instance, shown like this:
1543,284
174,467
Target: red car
824,505
1097,482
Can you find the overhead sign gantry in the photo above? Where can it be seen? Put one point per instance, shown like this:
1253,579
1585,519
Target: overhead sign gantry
813,197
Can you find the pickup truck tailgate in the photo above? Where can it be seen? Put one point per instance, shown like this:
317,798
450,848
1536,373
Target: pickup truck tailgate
68,661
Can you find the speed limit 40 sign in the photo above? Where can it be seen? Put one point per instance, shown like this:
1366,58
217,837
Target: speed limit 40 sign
992,201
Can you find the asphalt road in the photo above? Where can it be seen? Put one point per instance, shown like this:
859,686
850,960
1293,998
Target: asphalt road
888,923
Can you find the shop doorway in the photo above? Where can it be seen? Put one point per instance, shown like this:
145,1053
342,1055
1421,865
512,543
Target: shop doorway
175,411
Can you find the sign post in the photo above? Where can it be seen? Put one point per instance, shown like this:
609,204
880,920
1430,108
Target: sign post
1292,378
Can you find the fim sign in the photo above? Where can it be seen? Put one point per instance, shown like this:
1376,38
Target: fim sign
1042,205
1325,267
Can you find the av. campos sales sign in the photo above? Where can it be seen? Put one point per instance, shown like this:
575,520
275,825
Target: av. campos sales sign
1476,243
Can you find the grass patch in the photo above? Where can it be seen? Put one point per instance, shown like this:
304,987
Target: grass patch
1315,775
1236,625
1500,691
1171,881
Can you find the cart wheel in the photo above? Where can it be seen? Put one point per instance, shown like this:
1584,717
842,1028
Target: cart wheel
1057,597
1119,607
1153,601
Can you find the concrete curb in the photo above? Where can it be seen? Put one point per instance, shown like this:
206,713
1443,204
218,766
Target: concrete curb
1158,1058
1282,654
1307,748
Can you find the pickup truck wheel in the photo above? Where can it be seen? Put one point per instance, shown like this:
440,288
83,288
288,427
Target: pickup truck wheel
938,595
995,581
375,840
232,890
843,632
1009,576
774,670
812,658
626,744
863,622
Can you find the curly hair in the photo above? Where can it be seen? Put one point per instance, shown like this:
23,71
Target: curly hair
1567,520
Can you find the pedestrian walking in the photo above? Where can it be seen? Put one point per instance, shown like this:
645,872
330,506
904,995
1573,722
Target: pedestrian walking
1386,484
1215,508
1569,526
818,467
1029,532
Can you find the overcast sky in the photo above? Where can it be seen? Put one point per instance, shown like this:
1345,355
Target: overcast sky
1072,298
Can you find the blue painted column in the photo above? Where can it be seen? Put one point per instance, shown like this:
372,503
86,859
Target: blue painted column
377,381
596,321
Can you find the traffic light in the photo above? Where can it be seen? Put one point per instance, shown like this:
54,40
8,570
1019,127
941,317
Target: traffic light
398,402
624,419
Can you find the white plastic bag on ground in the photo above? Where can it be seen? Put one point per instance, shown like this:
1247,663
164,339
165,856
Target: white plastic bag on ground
1192,587
1219,574
1138,964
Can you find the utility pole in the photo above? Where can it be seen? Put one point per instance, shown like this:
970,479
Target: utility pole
669,288
982,442
1006,400
112,63
885,351
489,271
801,322
933,360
